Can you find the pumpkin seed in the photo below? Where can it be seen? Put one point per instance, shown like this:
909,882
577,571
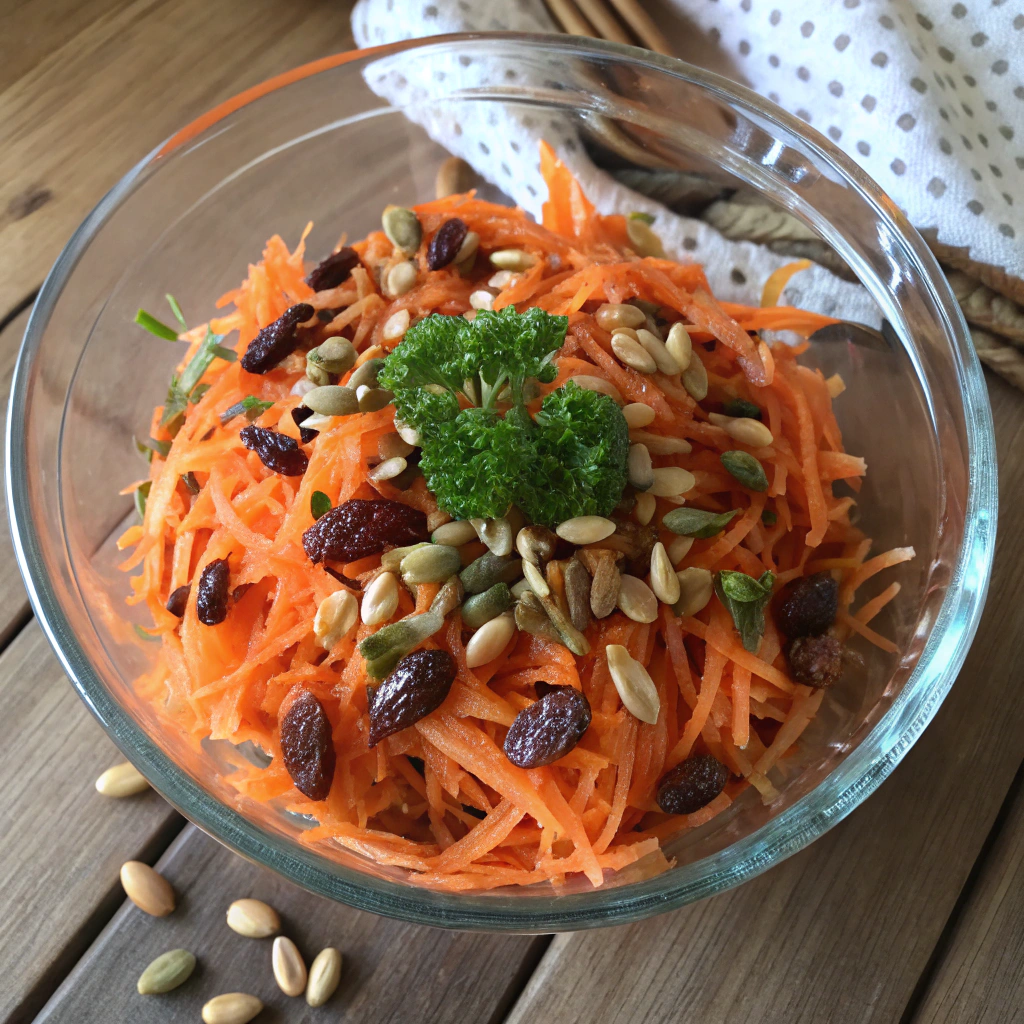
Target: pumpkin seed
147,889
536,544
490,640
663,575
636,600
643,238
231,1008
455,533
679,548
746,469
433,563
383,650
402,227
615,314
679,345
482,573
591,383
635,687
374,399
481,608
253,918
645,507
744,429
577,593
332,400
166,972
606,580
449,597
639,467
531,618
695,522
633,354
289,967
335,355
401,279
585,529
516,260
660,444
696,586
481,299
380,599
670,481
695,378
568,634
324,975
454,177
393,445
122,780
335,616
315,373
365,374
496,534
392,559
658,351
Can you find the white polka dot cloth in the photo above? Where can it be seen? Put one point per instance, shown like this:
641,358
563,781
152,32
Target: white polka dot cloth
952,165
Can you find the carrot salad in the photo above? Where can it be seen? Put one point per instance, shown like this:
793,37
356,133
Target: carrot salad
326,578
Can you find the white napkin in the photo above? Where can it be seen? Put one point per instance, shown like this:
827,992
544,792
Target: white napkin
735,270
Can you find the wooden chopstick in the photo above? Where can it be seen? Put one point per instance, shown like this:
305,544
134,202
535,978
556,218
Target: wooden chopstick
643,25
604,21
567,14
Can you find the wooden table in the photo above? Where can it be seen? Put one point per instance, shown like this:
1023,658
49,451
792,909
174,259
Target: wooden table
911,910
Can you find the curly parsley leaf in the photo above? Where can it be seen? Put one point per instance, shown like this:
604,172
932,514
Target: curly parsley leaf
745,599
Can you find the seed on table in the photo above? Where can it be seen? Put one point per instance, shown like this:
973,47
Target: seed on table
638,414
490,640
516,260
324,975
332,400
396,325
645,507
633,683
679,345
253,918
147,889
585,529
661,444
402,227
664,582
365,374
538,584
166,973
373,399
387,470
696,586
636,600
231,1008
633,354
401,279
454,177
480,608
481,299
679,548
639,467
289,968
670,481
433,563
335,616
455,533
122,780
592,383
695,379
380,599
614,314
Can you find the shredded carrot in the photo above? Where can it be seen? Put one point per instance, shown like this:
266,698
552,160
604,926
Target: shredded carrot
440,800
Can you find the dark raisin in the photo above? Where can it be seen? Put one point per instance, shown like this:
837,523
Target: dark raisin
240,591
308,747
542,688
417,686
278,452
212,595
178,599
807,606
300,414
445,243
548,729
343,579
276,341
692,784
329,273
361,527
815,660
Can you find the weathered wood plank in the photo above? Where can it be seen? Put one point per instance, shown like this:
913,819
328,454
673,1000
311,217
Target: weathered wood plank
79,117
61,843
842,931
391,972
980,976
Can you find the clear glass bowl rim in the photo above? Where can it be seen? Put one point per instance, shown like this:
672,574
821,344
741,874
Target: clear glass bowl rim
860,773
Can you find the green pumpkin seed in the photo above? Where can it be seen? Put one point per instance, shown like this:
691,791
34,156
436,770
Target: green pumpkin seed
166,972
433,563
392,559
374,399
695,522
316,373
745,468
482,573
335,355
366,374
402,227
481,608
332,400
385,648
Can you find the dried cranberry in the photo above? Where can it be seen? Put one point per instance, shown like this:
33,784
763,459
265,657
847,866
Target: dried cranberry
548,729
278,452
307,743
361,527
815,660
692,784
178,599
446,243
417,686
807,606
212,595
276,341
329,273
300,414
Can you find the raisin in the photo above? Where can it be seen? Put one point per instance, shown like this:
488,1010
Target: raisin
361,527
808,606
276,341
417,686
549,728
278,452
445,243
178,599
300,414
815,660
692,784
331,272
212,595
307,743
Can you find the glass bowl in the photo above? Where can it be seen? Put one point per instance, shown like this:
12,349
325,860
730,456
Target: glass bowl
319,144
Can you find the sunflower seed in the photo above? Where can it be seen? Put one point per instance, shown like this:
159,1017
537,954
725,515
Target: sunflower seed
490,640
641,472
591,383
536,544
516,260
289,968
122,780
481,299
393,445
695,378
496,534
324,975
744,429
661,444
679,548
656,349
663,576
679,345
147,889
644,239
396,325
467,250
585,529
614,314
538,584
408,434
636,600
253,918
638,414
335,616
695,589
231,1008
577,593
380,599
501,280
455,533
670,481
402,227
633,354
645,507
449,597
635,687
401,279
365,374
387,470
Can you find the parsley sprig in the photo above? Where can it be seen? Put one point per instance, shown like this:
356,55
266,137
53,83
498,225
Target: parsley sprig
746,598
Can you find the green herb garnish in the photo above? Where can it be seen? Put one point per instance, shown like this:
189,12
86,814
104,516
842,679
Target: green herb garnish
141,497
741,407
151,445
250,407
319,504
144,634
745,598
745,468
154,326
769,518
179,394
569,460
695,522
176,310
647,218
